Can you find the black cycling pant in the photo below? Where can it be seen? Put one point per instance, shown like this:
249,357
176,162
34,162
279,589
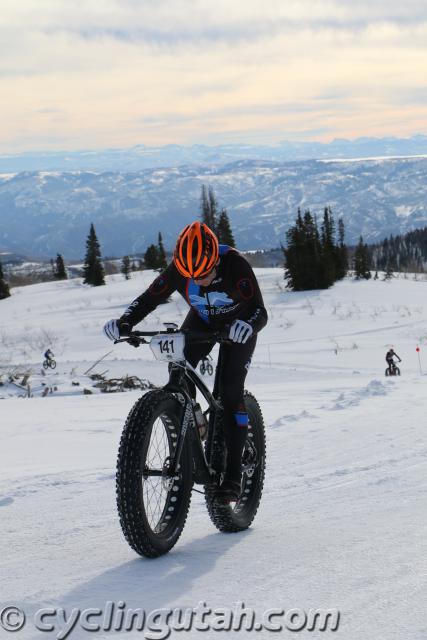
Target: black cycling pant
235,361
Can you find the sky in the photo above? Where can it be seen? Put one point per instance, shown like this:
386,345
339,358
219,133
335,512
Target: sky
95,74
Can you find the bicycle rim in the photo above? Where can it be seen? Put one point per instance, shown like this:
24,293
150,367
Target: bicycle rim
152,505
157,490
239,515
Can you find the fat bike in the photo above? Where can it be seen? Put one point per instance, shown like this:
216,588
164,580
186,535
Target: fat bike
169,444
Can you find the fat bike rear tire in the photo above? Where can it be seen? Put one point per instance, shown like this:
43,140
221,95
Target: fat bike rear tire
152,506
239,516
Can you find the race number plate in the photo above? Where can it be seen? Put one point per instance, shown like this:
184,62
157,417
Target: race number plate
168,347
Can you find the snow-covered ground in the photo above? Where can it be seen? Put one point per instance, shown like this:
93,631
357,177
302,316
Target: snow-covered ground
343,516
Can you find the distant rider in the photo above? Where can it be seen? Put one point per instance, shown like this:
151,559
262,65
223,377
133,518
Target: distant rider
223,293
49,355
389,359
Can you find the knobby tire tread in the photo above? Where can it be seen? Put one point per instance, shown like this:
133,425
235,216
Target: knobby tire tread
128,463
224,517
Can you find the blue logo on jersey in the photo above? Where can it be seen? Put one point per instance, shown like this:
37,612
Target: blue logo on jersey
215,299
212,299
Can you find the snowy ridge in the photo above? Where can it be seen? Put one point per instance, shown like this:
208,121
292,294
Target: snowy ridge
143,157
43,213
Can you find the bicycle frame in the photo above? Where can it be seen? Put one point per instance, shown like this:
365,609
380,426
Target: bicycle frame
179,374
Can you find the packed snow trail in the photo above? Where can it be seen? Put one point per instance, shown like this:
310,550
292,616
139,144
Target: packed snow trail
341,524
342,520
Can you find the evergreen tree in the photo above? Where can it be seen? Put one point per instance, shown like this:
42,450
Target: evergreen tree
314,273
407,252
204,204
313,260
125,267
4,287
303,254
388,275
293,253
362,261
329,251
162,262
151,257
342,253
209,208
93,269
224,232
213,206
155,256
60,272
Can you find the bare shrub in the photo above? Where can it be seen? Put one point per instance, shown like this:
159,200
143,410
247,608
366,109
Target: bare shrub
309,306
336,347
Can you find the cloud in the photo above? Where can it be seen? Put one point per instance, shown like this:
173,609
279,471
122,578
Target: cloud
407,95
182,22
119,72
49,110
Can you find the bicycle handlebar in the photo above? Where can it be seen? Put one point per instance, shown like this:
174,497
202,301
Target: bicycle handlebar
191,336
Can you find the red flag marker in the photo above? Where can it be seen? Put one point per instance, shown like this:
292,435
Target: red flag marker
419,359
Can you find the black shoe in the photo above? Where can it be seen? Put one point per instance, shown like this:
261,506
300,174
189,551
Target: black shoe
229,491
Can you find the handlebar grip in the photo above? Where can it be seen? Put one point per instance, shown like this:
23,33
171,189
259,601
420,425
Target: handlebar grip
219,335
125,329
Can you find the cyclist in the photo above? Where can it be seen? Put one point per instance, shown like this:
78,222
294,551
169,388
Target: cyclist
389,359
49,355
223,293
205,365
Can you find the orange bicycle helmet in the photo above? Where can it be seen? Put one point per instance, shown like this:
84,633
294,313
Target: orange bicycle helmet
196,252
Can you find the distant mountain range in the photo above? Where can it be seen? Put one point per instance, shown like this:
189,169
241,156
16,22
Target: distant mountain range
172,155
42,213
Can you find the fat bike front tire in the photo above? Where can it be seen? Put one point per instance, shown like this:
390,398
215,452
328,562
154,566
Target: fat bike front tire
52,364
239,516
152,506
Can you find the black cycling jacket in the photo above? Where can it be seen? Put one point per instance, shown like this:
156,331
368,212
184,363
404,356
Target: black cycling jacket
233,294
390,354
